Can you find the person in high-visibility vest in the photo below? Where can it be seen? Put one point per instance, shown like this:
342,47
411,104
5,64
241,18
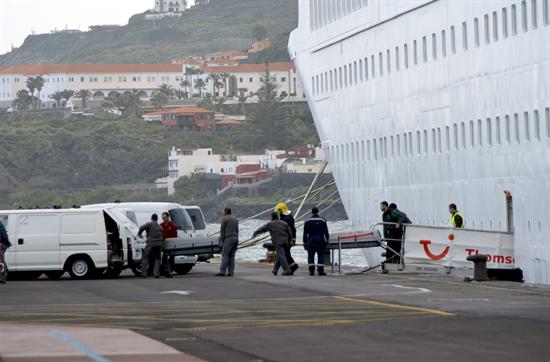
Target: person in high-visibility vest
456,217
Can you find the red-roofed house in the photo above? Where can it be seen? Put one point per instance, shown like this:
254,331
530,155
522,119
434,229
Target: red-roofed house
186,118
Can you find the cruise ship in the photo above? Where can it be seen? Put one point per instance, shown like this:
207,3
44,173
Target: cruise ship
430,102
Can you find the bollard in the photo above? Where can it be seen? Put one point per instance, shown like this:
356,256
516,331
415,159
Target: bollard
480,266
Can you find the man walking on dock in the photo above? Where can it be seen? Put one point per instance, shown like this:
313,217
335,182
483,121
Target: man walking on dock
229,239
286,216
281,236
316,238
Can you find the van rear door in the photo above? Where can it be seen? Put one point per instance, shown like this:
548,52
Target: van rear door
36,242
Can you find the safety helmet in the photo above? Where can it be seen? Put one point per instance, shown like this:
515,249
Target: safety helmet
282,208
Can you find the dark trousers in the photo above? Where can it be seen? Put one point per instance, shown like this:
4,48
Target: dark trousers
229,250
165,268
391,256
288,256
281,261
320,251
3,267
152,251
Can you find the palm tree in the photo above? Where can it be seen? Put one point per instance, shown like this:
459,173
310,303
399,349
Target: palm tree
216,84
159,100
200,85
180,94
35,83
84,95
132,103
226,76
39,84
167,90
242,99
67,94
57,96
185,85
23,100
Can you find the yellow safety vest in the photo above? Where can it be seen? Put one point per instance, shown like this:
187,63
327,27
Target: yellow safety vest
453,223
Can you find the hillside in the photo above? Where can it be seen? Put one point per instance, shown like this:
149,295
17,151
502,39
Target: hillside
221,25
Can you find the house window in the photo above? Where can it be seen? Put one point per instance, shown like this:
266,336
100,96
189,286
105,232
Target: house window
250,80
82,79
240,80
283,79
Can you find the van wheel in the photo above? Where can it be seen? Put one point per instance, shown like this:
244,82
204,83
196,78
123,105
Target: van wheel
183,268
81,268
54,274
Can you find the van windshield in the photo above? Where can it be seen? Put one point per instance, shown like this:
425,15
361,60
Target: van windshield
178,217
196,218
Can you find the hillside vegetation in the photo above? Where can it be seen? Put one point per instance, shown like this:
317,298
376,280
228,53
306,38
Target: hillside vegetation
221,25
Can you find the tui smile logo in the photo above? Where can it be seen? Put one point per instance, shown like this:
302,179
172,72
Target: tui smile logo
431,255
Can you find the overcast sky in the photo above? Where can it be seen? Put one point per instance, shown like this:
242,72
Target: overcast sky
18,18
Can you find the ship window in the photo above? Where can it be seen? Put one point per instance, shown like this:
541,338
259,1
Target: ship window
331,81
340,77
524,15
489,132
425,142
374,149
463,134
346,155
497,129
313,84
472,136
410,143
355,72
322,83
352,155
527,126
443,43
380,64
536,125
507,128
465,35
418,143
388,61
361,70
345,75
547,116
366,68
415,53
326,81
534,13
448,138
513,15
363,155
516,127
372,66
397,59
479,133
368,150
476,32
439,140
434,141
406,55
350,75
504,23
392,147
453,40
486,29
424,49
455,136
545,12
434,46
495,26
398,145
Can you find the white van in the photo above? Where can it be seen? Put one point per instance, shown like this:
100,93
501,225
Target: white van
192,244
83,242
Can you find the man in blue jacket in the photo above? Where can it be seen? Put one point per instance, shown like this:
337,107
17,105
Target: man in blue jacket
4,245
316,238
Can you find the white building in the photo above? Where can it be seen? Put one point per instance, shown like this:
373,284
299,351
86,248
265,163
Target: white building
167,8
186,162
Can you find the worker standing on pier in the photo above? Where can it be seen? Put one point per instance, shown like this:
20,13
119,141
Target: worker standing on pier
396,232
229,239
316,238
456,217
169,230
4,245
286,216
281,236
153,247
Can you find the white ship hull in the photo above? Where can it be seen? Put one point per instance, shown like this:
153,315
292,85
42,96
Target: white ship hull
424,103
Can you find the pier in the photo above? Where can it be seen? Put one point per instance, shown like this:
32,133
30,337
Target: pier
255,316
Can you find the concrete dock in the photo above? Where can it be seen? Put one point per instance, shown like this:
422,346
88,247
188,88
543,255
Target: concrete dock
255,316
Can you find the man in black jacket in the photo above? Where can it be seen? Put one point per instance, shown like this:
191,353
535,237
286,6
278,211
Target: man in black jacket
316,238
4,245
286,216
280,237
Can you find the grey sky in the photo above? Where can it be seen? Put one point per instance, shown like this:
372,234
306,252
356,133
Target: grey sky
19,17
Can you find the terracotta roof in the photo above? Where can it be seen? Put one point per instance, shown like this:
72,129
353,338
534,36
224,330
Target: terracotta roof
185,110
249,68
229,122
201,123
42,69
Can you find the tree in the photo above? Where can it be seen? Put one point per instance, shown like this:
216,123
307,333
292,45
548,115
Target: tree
226,76
159,100
185,85
23,100
35,84
200,85
167,90
180,94
57,96
259,32
242,98
216,84
131,102
67,94
39,84
83,95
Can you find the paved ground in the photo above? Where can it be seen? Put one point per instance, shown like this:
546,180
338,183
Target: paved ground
258,317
